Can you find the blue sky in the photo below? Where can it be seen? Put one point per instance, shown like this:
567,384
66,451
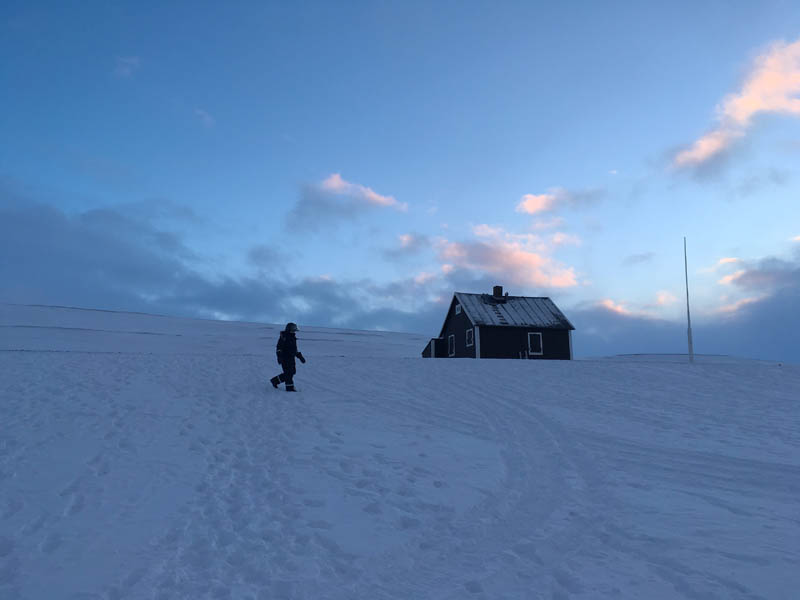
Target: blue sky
353,164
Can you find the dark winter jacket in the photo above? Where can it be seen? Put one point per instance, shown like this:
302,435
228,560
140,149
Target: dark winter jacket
287,348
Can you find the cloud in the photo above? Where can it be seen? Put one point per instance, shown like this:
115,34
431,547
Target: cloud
338,186
768,275
267,257
424,278
565,239
100,258
545,224
121,259
205,117
615,307
728,279
517,259
728,260
763,327
556,198
408,244
735,307
651,310
484,230
796,238
158,210
637,259
534,203
754,183
772,86
336,199
665,298
646,311
126,66
607,328
722,264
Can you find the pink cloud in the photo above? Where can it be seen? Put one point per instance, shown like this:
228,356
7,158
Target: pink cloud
336,185
650,310
510,260
424,277
616,307
664,298
558,197
722,262
406,240
738,305
728,279
773,86
534,203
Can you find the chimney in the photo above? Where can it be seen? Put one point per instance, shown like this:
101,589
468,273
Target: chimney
498,291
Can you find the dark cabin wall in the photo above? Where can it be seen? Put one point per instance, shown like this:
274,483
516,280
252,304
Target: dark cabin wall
456,325
507,342
434,349
426,353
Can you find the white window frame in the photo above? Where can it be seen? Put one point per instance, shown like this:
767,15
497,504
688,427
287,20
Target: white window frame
541,344
458,309
451,343
470,338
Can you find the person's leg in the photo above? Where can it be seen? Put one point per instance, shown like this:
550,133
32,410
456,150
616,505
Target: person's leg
288,372
280,377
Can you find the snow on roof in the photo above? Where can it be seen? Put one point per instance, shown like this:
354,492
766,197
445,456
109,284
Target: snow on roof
512,311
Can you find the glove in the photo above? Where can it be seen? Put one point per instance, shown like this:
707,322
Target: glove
301,357
279,360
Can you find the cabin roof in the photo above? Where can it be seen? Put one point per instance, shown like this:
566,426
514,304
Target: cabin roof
512,311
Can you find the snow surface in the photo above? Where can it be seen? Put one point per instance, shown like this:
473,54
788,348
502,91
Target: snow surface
148,457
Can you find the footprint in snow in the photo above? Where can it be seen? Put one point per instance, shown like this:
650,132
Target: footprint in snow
74,506
373,508
473,587
6,546
50,543
409,523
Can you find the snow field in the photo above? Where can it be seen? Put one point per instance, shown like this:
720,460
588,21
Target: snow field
148,457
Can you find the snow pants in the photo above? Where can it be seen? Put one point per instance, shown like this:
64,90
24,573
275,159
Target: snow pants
287,377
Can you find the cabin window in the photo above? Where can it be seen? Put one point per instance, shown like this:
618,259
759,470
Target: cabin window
470,337
451,345
458,309
535,343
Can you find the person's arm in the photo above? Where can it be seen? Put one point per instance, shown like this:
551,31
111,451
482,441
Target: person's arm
301,357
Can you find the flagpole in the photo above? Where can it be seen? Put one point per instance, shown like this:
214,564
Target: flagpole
688,315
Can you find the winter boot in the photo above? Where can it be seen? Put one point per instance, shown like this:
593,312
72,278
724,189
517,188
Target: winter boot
290,388
275,381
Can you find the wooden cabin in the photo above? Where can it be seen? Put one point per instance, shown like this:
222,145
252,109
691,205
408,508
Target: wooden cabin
497,325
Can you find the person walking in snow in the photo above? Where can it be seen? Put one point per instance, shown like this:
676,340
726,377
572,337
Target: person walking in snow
287,352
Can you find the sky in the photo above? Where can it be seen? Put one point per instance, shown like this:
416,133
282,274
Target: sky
354,164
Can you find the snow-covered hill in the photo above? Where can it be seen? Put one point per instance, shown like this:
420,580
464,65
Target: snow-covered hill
148,457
